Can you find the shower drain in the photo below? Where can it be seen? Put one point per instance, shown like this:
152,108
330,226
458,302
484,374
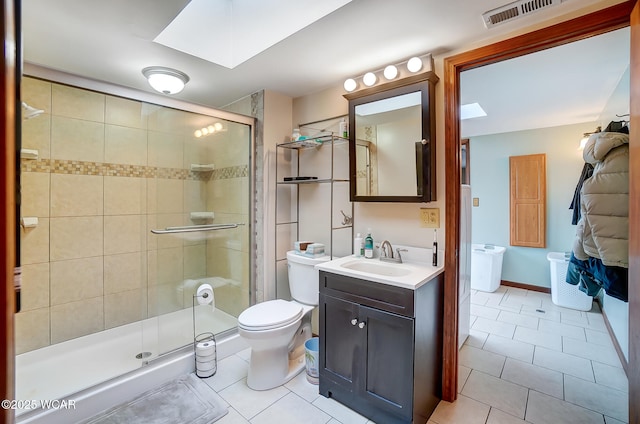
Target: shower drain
143,355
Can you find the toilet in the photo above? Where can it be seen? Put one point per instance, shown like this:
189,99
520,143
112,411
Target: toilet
277,329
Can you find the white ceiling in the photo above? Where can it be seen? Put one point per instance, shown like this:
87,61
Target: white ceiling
565,85
112,41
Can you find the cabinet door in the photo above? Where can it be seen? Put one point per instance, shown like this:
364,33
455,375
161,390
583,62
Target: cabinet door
389,361
343,340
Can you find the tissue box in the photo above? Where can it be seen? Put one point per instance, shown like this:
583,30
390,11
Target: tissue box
315,249
301,246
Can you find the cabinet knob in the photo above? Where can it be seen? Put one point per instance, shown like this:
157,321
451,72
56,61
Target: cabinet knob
354,321
361,325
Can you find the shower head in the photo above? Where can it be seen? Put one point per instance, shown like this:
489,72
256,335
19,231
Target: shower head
30,111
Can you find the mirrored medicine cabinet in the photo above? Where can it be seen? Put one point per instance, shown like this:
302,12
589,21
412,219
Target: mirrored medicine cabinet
392,155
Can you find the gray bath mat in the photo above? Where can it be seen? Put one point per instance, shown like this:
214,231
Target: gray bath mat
187,400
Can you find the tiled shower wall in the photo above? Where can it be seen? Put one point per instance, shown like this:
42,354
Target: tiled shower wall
109,170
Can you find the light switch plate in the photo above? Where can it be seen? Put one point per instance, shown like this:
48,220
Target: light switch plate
476,201
430,217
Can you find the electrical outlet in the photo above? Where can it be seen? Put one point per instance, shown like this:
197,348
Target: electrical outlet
430,217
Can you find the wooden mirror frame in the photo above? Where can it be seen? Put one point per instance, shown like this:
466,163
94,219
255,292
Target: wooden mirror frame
425,83
576,29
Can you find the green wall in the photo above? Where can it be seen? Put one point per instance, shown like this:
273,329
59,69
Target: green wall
490,184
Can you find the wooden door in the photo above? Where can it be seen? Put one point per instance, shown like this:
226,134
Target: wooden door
633,370
528,200
7,210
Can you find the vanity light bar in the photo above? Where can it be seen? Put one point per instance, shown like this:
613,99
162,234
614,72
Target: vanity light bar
414,65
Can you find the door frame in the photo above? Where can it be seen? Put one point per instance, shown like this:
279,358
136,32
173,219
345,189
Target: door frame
7,210
576,29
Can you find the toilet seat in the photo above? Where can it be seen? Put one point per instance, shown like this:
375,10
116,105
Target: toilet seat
269,315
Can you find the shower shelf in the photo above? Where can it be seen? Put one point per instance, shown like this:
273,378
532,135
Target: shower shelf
313,142
202,168
306,181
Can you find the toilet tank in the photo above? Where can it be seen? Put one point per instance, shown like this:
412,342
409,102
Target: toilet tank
303,277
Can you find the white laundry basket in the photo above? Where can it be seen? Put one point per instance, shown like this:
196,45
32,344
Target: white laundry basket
486,267
562,293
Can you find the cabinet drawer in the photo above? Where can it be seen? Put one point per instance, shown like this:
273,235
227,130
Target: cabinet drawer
381,296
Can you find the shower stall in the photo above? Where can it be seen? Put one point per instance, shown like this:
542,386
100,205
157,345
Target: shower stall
129,203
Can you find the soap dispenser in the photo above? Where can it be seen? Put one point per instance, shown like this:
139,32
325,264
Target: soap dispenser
368,245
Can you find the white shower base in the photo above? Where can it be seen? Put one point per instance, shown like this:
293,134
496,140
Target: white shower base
86,369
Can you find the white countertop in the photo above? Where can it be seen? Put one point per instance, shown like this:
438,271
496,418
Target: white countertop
418,272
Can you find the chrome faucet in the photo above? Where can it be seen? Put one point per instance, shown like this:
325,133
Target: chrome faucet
383,250
387,256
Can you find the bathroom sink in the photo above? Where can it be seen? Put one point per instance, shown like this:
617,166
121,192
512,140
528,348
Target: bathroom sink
395,270
415,270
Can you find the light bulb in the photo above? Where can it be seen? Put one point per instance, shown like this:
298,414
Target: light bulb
369,79
217,126
198,133
211,129
414,64
205,131
350,84
390,72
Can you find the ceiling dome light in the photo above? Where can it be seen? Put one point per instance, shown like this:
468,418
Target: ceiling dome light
414,64
350,84
165,80
369,79
390,72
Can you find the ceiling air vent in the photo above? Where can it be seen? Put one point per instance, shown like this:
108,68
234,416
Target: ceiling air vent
516,10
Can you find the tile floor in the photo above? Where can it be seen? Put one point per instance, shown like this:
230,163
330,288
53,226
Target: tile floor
518,366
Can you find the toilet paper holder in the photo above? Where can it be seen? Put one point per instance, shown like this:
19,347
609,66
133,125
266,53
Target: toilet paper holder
204,344
205,354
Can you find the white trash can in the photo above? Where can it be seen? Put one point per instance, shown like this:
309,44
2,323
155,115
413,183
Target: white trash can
486,267
562,293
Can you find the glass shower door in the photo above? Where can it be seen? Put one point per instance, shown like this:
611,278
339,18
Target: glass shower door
201,226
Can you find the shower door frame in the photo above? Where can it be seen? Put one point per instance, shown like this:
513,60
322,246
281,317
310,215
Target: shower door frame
36,71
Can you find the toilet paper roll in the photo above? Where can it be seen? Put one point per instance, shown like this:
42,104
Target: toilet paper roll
211,366
205,374
205,295
205,359
205,349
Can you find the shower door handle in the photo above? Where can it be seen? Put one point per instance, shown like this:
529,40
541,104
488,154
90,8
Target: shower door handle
194,228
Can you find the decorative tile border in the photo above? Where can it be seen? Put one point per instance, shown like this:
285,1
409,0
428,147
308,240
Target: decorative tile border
75,167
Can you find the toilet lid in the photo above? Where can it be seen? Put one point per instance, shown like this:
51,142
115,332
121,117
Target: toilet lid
269,315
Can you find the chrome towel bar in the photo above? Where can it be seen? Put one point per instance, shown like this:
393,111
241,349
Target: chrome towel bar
194,228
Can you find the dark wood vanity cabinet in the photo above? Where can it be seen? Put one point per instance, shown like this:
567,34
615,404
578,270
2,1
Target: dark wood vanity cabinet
381,347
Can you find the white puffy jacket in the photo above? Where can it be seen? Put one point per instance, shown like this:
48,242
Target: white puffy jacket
603,229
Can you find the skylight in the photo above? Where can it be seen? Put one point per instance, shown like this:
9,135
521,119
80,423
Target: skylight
471,110
230,32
